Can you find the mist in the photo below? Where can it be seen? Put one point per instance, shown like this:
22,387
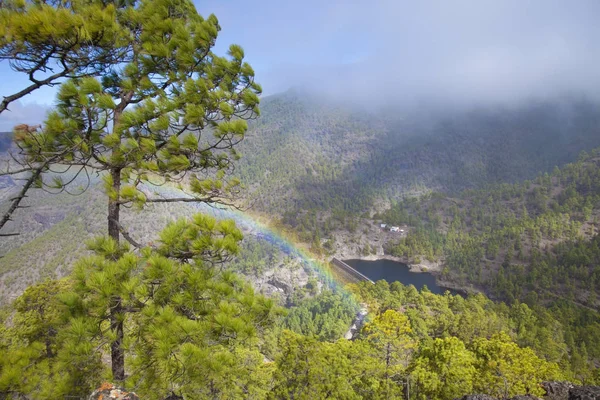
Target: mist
454,52
401,53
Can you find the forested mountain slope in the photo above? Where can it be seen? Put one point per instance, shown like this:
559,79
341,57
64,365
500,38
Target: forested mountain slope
54,229
307,153
539,236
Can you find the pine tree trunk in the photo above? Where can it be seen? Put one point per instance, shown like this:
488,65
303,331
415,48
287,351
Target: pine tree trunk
117,354
114,206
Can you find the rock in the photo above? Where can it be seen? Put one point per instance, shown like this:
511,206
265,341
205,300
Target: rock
280,284
487,397
584,393
554,391
358,323
557,390
568,391
173,396
109,391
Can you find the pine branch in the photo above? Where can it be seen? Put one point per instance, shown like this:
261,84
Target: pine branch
210,200
37,171
18,171
126,234
36,85
22,194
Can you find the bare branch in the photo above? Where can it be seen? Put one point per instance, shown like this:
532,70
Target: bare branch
126,235
34,176
18,171
17,200
36,85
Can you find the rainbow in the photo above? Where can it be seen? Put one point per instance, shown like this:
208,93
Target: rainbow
250,225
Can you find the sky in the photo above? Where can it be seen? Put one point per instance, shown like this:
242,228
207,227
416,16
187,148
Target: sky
450,51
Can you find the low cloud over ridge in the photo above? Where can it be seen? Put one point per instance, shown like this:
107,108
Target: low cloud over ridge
465,51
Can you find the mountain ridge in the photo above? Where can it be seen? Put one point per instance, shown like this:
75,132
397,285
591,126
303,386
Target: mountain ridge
316,155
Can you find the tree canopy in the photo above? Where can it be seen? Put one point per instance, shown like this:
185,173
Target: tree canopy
50,41
166,110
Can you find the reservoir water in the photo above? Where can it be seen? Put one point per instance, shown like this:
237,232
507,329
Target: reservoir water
396,271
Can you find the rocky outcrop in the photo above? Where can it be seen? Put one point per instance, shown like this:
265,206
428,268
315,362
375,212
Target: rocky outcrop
109,391
357,323
525,397
487,397
554,391
285,287
568,391
557,390
49,219
585,393
281,280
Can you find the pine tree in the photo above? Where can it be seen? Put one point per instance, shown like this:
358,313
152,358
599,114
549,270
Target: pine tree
504,369
443,370
50,41
39,357
169,111
389,336
189,329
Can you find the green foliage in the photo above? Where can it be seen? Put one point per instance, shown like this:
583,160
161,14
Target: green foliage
255,257
476,317
167,108
443,370
308,369
417,344
325,317
40,356
389,337
197,332
187,325
50,41
535,242
508,226
505,370
307,154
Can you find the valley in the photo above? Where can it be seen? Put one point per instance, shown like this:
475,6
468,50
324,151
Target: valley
528,237
310,200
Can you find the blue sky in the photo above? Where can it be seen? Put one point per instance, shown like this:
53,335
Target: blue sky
459,50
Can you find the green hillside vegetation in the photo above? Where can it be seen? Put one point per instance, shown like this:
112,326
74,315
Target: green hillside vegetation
431,346
116,283
306,153
537,236
325,317
51,223
535,242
